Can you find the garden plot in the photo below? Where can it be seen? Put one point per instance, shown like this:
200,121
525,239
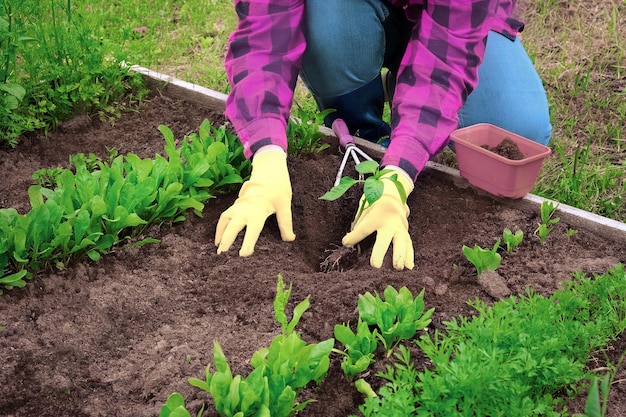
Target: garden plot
117,336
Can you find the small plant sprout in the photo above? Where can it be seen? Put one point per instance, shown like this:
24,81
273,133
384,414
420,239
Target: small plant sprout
398,317
512,240
372,186
483,259
547,221
571,232
359,347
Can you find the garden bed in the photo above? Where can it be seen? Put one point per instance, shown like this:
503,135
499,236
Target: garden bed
117,336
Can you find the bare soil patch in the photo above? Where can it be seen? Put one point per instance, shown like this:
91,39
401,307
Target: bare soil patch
116,337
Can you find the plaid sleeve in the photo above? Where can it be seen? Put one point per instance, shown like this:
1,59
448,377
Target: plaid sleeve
438,71
262,65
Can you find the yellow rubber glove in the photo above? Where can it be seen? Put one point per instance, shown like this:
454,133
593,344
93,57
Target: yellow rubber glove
268,191
387,216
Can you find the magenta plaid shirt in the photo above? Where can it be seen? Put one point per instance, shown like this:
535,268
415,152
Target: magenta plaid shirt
439,69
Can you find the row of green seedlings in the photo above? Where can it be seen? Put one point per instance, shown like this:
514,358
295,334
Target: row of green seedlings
501,361
289,364
522,356
485,259
88,210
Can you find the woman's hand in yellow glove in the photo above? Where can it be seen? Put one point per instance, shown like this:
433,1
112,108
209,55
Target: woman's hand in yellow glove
387,216
268,191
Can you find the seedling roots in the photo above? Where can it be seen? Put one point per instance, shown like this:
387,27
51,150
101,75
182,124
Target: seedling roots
339,258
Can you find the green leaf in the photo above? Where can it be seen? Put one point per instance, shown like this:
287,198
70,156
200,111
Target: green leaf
15,280
298,311
344,335
280,302
220,360
340,189
174,407
367,167
483,259
373,189
14,89
593,407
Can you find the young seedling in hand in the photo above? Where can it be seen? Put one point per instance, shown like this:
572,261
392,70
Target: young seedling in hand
372,186
483,259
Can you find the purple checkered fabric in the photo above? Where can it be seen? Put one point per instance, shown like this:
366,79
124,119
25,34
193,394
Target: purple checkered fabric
439,69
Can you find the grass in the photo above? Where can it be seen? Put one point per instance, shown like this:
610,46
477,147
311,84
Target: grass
578,49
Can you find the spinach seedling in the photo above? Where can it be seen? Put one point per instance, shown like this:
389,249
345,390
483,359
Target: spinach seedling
398,317
547,221
280,303
483,259
512,240
373,185
358,353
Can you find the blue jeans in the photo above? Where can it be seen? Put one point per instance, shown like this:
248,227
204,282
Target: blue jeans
350,41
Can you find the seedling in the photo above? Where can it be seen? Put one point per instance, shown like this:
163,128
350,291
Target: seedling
399,316
512,240
280,372
373,185
280,303
547,221
358,353
483,259
571,232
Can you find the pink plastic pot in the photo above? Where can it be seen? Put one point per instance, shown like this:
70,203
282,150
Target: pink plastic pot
494,173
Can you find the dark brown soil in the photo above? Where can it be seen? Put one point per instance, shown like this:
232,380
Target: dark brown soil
507,148
116,337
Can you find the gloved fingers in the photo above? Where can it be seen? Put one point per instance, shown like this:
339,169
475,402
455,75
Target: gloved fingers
235,225
222,223
409,260
253,231
364,227
403,256
285,222
383,240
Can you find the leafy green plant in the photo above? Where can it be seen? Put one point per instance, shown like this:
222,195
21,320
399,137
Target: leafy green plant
175,407
372,186
398,317
531,349
96,204
512,240
483,259
280,304
544,228
303,133
359,347
280,372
